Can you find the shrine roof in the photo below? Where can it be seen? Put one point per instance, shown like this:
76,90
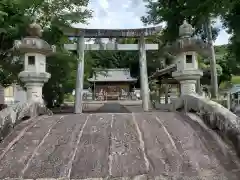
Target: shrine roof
162,72
112,75
235,89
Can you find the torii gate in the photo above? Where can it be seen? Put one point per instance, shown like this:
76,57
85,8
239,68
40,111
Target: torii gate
111,33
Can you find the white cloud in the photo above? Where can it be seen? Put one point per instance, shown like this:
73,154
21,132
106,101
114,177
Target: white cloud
223,38
120,14
104,4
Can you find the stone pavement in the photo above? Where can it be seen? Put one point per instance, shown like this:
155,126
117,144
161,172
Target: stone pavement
112,108
157,145
107,107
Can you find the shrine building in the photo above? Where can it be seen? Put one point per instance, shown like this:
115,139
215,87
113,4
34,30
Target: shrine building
113,83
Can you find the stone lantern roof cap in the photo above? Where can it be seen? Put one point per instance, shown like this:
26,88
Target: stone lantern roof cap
186,42
33,42
186,29
33,45
34,30
189,44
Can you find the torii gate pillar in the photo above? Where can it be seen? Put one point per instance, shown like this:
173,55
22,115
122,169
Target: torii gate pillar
143,74
80,75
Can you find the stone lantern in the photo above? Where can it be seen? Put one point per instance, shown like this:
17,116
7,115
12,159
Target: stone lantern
186,50
34,50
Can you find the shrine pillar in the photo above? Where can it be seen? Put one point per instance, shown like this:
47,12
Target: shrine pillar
143,74
80,76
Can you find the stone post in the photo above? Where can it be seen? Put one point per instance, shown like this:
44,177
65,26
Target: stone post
2,95
159,94
166,93
198,87
228,100
143,74
238,98
80,76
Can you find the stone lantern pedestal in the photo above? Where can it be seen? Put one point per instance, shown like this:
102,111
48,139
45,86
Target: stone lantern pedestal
34,51
188,80
34,83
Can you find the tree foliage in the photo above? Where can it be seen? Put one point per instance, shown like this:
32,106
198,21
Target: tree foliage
60,12
172,13
16,15
13,21
231,22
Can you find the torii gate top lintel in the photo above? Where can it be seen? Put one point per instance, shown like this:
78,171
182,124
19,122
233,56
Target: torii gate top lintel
108,33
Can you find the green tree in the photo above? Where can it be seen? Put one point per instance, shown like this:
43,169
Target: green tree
174,12
198,13
222,61
15,15
231,22
60,12
62,66
13,21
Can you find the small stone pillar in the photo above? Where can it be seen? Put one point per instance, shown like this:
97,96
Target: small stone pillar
186,49
198,87
166,89
34,51
2,95
228,103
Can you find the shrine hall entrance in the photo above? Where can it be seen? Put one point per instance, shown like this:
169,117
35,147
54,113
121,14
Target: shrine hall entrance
112,84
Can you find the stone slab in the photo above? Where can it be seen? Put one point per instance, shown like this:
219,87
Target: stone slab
52,158
93,149
141,146
127,158
160,150
14,161
17,129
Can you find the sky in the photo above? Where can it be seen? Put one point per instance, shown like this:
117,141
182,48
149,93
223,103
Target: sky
120,14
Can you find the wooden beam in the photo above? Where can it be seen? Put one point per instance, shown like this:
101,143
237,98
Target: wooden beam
117,47
169,81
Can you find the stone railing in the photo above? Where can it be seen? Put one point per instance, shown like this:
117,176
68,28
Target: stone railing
12,115
214,115
223,102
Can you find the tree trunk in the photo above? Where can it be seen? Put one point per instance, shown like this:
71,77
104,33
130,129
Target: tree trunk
214,82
